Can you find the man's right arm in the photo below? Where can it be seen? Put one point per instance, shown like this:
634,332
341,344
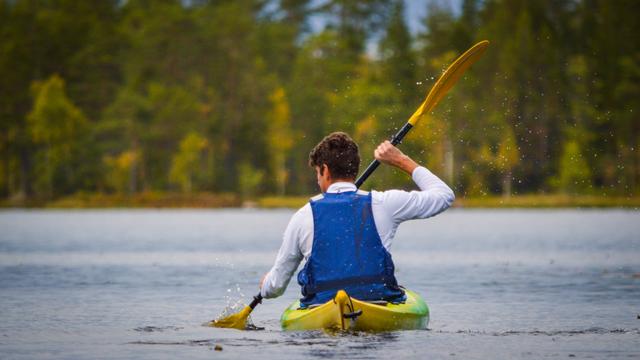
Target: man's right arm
433,198
289,256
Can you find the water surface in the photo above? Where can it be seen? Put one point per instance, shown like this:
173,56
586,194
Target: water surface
140,283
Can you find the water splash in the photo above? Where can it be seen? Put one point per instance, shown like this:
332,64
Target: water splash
232,307
233,313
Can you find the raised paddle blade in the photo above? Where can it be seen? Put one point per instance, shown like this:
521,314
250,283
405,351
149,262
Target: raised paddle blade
448,79
233,321
444,83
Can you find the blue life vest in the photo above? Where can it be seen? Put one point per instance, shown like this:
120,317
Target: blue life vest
347,252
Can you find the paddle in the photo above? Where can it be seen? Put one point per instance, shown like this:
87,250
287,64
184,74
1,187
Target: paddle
238,320
444,83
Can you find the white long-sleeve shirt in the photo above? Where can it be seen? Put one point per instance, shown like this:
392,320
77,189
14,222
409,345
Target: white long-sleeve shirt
390,208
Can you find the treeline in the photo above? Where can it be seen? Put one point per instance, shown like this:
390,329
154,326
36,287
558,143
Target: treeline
131,96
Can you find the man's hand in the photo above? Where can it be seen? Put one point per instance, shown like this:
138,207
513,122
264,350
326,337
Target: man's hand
388,154
262,280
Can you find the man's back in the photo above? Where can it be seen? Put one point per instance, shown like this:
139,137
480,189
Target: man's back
347,253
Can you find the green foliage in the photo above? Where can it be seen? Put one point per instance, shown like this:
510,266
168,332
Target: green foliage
575,175
398,61
230,96
121,171
507,157
249,180
354,21
280,137
55,126
187,163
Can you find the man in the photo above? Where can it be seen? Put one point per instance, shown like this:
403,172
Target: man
345,234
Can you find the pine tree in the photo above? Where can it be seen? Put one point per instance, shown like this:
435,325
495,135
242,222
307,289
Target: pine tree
397,57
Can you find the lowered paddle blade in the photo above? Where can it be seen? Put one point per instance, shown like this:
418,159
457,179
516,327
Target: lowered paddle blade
233,321
239,320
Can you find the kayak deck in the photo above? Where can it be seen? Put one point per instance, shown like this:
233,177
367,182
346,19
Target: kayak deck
346,313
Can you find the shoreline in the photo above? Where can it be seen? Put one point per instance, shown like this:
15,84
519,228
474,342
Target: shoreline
229,200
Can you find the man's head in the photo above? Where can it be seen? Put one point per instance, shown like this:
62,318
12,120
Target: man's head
335,158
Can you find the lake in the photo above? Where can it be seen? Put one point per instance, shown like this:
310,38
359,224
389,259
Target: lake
140,284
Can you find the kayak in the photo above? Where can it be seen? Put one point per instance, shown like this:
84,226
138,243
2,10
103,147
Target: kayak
346,313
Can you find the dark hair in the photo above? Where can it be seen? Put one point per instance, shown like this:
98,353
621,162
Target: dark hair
340,153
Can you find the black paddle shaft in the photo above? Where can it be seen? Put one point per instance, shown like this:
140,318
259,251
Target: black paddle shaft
256,300
395,140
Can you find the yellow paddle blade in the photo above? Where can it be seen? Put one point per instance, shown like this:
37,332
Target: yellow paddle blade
233,321
448,79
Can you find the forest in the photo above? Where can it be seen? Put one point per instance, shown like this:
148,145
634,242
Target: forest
229,96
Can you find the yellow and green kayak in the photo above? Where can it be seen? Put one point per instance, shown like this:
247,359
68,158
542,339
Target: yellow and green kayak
346,313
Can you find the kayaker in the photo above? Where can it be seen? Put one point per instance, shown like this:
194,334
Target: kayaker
345,234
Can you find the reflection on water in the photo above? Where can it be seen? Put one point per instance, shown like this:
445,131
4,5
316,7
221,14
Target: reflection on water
344,344
140,284
595,330
157,328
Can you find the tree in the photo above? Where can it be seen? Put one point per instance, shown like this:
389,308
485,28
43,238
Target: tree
575,175
366,130
296,13
466,26
174,112
317,74
431,135
280,33
229,44
506,158
120,170
250,179
42,38
120,132
437,37
628,142
397,57
354,22
56,125
280,137
373,101
559,81
187,163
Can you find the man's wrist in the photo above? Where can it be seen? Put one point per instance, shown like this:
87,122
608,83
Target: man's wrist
407,164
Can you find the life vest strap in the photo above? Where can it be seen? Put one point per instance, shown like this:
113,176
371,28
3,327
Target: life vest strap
339,284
